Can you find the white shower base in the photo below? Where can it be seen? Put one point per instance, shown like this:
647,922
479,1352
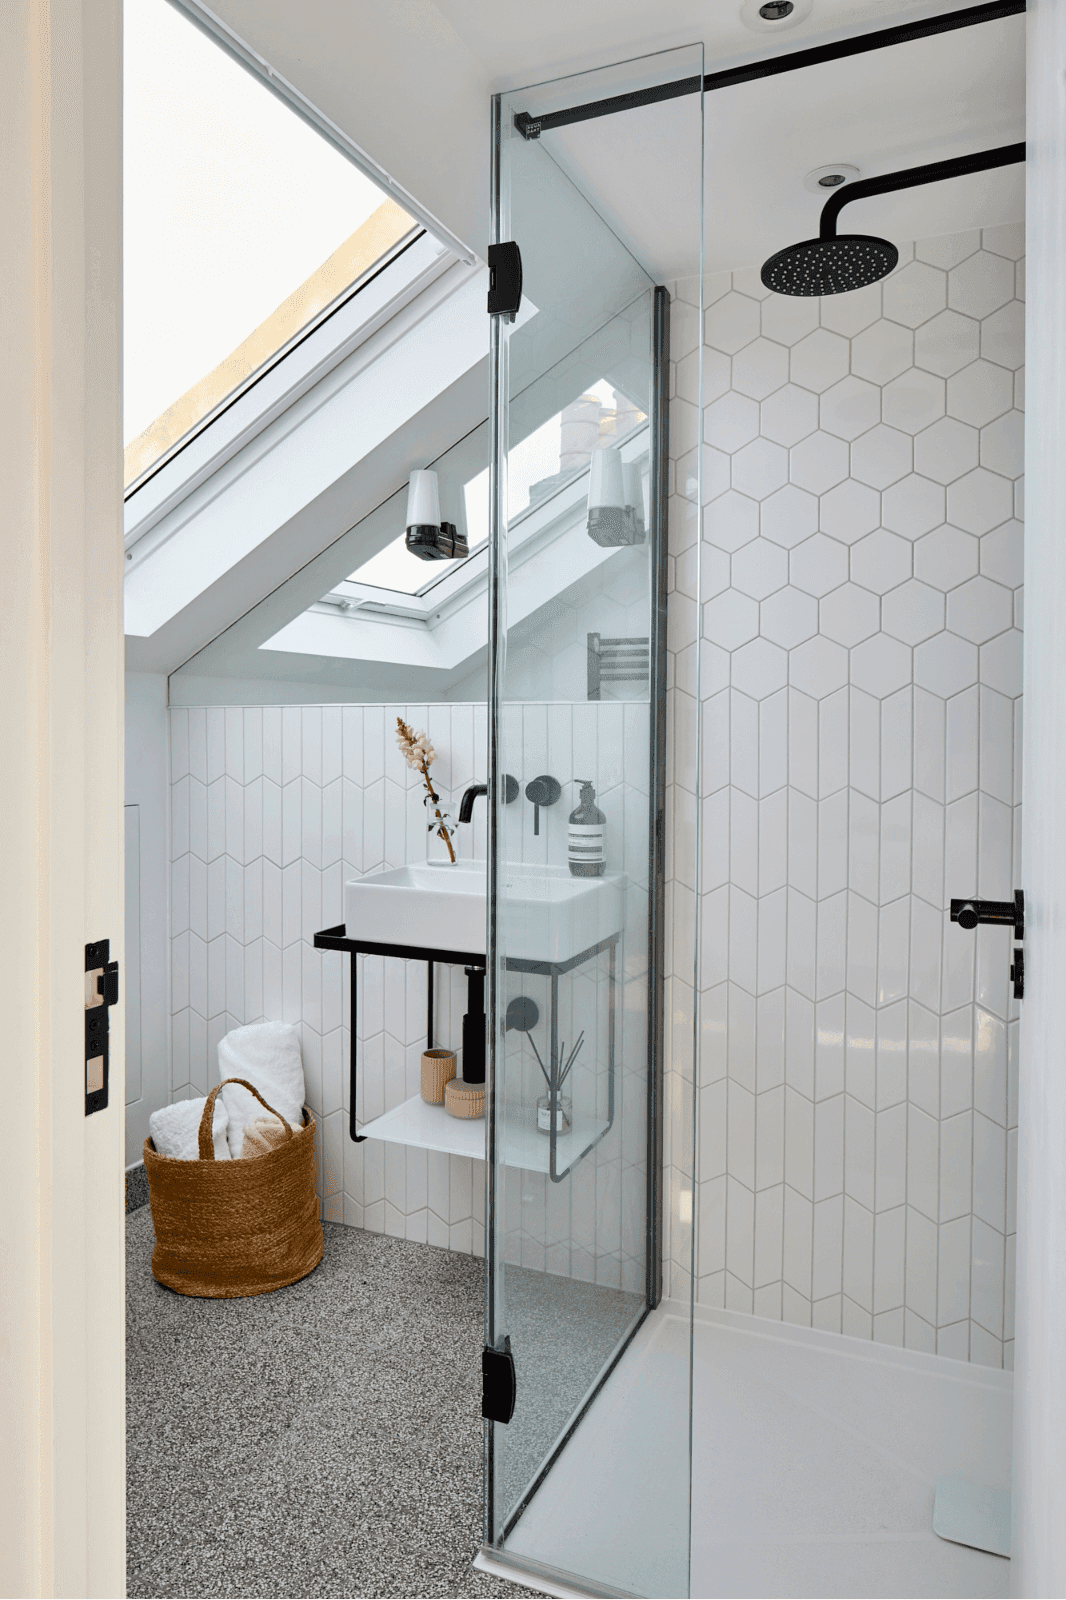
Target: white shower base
815,1459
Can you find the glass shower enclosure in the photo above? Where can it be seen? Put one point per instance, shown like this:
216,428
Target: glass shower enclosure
592,931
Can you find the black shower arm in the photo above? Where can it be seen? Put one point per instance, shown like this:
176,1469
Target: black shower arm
981,161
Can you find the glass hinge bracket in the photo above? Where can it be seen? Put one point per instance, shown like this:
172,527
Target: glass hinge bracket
498,1382
505,280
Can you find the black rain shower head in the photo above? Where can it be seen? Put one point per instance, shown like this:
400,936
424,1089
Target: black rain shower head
830,266
834,263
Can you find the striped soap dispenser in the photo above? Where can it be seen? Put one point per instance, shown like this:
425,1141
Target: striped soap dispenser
585,842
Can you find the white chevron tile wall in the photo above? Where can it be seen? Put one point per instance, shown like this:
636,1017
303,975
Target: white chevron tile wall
273,809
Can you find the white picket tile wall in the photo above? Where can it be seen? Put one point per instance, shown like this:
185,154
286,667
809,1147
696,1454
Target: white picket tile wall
274,808
861,620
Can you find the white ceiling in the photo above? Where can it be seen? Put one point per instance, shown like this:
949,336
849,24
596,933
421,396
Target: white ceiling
410,80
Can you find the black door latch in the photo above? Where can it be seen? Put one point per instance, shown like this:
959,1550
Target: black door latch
498,1382
1000,913
1017,972
97,1028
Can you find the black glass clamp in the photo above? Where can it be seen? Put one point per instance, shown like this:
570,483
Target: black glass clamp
1000,913
498,1389
505,280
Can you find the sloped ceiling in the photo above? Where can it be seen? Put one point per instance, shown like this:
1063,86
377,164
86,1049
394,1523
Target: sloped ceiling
410,80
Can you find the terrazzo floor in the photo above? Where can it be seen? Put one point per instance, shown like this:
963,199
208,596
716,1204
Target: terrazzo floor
322,1440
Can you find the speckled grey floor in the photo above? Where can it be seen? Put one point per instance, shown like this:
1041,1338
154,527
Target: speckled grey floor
323,1440
136,1188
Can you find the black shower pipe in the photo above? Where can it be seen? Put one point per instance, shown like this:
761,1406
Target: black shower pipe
957,167
531,127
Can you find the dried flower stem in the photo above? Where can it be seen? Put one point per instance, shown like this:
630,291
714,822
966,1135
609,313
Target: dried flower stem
419,753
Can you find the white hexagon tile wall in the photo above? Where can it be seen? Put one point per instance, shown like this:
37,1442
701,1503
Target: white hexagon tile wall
861,615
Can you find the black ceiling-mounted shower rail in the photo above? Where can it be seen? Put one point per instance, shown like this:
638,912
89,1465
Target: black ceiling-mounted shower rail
531,127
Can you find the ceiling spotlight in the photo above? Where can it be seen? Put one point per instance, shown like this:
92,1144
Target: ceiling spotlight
428,537
830,177
774,16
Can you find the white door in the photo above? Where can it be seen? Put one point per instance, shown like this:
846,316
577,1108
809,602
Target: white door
62,1424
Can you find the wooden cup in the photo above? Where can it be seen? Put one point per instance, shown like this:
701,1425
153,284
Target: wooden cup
438,1067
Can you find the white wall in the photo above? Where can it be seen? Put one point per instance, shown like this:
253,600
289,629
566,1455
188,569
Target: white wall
1038,1566
861,612
146,981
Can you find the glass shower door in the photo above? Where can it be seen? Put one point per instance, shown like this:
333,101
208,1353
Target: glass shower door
591,1126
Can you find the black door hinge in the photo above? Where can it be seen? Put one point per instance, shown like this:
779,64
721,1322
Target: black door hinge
505,280
498,1382
104,994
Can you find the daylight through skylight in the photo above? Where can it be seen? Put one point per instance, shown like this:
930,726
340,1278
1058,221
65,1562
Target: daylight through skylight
241,224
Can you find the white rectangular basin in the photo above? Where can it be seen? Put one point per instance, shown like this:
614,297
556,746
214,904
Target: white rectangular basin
430,903
545,914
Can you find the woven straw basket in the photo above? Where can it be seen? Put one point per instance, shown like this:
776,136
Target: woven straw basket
225,1229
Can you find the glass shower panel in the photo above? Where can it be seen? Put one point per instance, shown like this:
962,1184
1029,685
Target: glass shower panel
591,1135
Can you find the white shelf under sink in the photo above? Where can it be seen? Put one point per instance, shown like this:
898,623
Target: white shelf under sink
431,1128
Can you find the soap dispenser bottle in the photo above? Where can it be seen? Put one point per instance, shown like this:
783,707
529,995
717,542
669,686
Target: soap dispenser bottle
585,842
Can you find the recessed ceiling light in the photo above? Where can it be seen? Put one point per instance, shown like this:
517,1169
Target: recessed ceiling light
824,179
773,16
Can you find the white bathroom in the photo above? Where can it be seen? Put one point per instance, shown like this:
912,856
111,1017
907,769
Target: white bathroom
575,653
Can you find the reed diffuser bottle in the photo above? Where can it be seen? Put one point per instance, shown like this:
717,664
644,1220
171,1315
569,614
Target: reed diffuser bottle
585,842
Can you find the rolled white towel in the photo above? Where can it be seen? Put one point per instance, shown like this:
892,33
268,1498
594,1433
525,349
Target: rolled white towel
175,1129
268,1055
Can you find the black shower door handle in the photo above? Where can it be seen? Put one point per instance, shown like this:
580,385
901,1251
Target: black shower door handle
1002,913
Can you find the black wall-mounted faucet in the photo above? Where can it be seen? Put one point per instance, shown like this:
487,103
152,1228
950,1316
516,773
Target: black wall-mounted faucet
466,804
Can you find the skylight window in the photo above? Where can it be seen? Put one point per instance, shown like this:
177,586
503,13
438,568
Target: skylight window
537,467
242,224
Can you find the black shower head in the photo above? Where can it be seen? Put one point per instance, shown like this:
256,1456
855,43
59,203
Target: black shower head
829,266
834,263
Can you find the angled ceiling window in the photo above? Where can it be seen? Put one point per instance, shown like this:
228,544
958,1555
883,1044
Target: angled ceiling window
243,227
